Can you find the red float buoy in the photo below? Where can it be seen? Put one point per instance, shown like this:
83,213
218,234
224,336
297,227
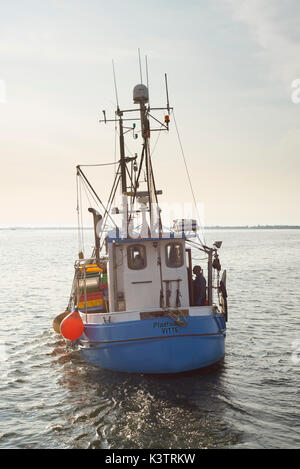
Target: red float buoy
72,326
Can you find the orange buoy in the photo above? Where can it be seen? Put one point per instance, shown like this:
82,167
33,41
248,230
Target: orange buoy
72,326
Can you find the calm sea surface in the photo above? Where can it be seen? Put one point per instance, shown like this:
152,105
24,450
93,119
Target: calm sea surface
51,398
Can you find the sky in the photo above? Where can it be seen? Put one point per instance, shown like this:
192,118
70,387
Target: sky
232,68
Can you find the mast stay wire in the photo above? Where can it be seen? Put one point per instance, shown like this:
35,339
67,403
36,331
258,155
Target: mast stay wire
109,204
115,146
79,214
97,203
126,146
189,179
98,164
87,189
92,190
152,150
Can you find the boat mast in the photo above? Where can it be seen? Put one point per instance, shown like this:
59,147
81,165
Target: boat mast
122,153
140,97
145,126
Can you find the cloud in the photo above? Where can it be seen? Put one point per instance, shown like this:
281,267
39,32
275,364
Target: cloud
274,25
58,47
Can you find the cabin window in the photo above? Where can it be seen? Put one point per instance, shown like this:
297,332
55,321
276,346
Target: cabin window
174,255
136,257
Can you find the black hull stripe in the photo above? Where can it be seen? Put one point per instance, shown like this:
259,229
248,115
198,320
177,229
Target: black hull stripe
150,338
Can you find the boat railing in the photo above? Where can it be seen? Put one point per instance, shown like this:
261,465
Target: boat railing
88,262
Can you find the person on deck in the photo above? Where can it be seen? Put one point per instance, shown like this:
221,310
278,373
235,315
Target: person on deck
199,286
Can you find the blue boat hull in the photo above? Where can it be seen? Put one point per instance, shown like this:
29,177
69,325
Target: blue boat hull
155,345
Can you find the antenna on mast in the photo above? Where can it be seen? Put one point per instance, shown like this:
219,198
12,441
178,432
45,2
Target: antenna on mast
147,77
115,83
140,66
168,104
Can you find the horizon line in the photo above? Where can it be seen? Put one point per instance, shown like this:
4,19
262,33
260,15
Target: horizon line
56,227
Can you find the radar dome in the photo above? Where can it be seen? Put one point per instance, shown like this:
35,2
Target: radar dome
140,94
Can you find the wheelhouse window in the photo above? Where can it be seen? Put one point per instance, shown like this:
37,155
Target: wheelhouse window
174,255
136,257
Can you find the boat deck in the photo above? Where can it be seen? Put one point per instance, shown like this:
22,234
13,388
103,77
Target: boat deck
146,313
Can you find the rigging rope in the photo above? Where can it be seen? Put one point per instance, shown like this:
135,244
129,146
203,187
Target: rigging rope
100,164
86,193
153,150
189,178
115,149
79,215
81,180
93,191
87,189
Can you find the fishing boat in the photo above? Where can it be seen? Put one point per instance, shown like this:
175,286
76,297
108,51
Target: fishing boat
132,306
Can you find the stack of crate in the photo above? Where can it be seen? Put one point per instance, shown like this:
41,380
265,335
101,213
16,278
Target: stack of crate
93,289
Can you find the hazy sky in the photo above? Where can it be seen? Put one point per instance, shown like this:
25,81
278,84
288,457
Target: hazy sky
230,65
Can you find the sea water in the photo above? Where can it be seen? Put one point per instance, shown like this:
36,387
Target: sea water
51,398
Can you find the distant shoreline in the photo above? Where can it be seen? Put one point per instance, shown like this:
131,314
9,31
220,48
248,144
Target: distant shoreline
255,227
245,227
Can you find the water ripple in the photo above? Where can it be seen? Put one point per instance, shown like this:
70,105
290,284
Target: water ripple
52,398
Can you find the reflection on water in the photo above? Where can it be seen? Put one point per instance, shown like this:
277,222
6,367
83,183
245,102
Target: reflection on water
142,411
51,398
